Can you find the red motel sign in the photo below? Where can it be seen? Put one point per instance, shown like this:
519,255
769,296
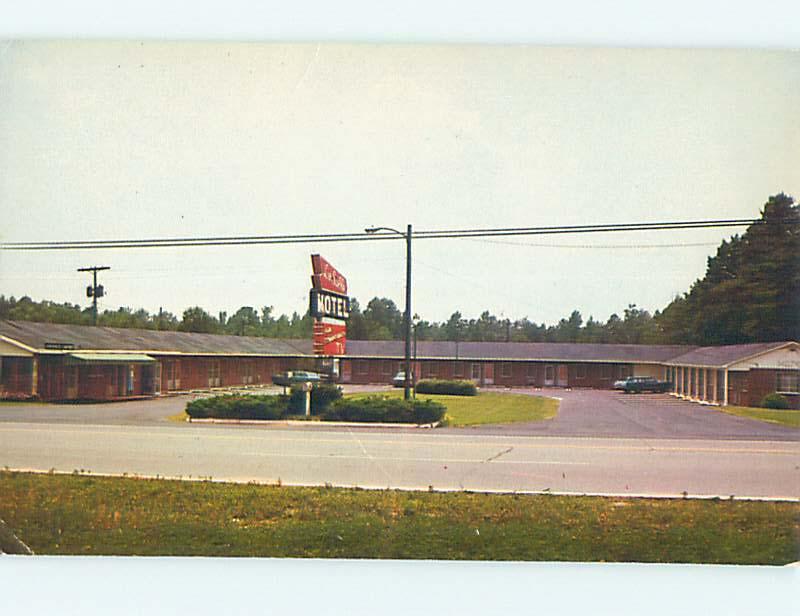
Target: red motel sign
330,306
329,338
326,277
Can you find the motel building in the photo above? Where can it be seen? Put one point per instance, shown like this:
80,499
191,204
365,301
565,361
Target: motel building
55,362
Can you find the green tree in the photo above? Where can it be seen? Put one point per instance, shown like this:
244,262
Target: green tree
198,320
383,320
244,322
751,289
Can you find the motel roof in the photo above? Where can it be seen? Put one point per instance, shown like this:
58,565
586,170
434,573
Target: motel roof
516,351
56,338
724,356
52,338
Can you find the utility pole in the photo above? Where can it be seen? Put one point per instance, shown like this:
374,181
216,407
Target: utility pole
94,291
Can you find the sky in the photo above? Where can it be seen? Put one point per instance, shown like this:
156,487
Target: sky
147,139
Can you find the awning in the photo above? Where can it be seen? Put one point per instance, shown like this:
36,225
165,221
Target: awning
109,358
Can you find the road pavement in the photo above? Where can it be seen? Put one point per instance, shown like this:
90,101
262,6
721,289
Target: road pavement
412,460
582,412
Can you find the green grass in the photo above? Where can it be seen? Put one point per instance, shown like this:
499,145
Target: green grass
488,407
788,417
74,514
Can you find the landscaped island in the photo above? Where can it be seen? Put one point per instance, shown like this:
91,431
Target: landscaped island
464,407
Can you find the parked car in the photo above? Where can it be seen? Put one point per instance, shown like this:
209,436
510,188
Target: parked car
639,384
399,379
292,377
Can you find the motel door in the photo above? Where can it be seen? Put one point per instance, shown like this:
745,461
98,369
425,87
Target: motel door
549,376
562,375
347,371
488,373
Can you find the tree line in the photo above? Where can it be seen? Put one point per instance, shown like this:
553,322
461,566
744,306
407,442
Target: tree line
750,293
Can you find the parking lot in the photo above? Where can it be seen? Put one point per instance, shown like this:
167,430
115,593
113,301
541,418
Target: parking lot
583,413
603,413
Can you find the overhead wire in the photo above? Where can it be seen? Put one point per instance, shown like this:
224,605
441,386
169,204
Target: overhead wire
377,236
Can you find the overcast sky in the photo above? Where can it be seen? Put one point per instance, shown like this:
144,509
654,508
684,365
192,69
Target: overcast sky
104,140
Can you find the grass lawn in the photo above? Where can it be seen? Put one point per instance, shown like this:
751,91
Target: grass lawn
488,407
786,417
74,514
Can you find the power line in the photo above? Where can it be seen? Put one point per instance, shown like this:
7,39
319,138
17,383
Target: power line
379,236
597,246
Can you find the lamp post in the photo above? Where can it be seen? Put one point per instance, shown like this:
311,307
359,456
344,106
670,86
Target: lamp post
407,314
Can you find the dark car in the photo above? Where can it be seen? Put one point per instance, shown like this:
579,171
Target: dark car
639,384
292,377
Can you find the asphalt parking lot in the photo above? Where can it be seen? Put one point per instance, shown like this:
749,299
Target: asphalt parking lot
603,413
583,413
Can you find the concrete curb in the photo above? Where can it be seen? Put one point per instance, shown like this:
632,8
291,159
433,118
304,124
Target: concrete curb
299,422
10,543
406,488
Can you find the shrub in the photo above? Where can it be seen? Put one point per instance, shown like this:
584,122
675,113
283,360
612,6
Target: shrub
322,395
238,407
451,388
374,409
774,401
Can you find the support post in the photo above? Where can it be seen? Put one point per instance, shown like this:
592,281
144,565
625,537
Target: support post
725,393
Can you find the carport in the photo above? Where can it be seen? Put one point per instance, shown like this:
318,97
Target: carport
107,376
739,374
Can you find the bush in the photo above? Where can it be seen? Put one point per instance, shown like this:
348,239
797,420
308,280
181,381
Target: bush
451,388
774,401
322,395
378,409
238,407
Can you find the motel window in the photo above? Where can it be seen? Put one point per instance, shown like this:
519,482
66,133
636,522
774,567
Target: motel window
386,367
788,383
363,366
505,369
531,370
476,371
580,371
433,368
458,368
605,371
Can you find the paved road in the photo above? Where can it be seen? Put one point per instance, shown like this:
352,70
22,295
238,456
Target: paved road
411,460
590,413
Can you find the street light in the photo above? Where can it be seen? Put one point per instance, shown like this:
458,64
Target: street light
407,314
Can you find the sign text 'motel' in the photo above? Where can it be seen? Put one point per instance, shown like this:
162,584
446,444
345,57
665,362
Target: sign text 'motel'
330,307
324,304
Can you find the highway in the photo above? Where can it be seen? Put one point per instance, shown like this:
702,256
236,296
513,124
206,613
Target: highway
420,459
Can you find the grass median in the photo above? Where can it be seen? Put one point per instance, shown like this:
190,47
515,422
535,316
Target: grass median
75,514
488,407
784,417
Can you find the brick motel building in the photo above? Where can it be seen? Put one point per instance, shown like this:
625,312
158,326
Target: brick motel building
73,362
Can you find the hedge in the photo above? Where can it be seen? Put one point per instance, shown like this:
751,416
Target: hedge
238,407
452,388
374,409
322,395
326,403
775,401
